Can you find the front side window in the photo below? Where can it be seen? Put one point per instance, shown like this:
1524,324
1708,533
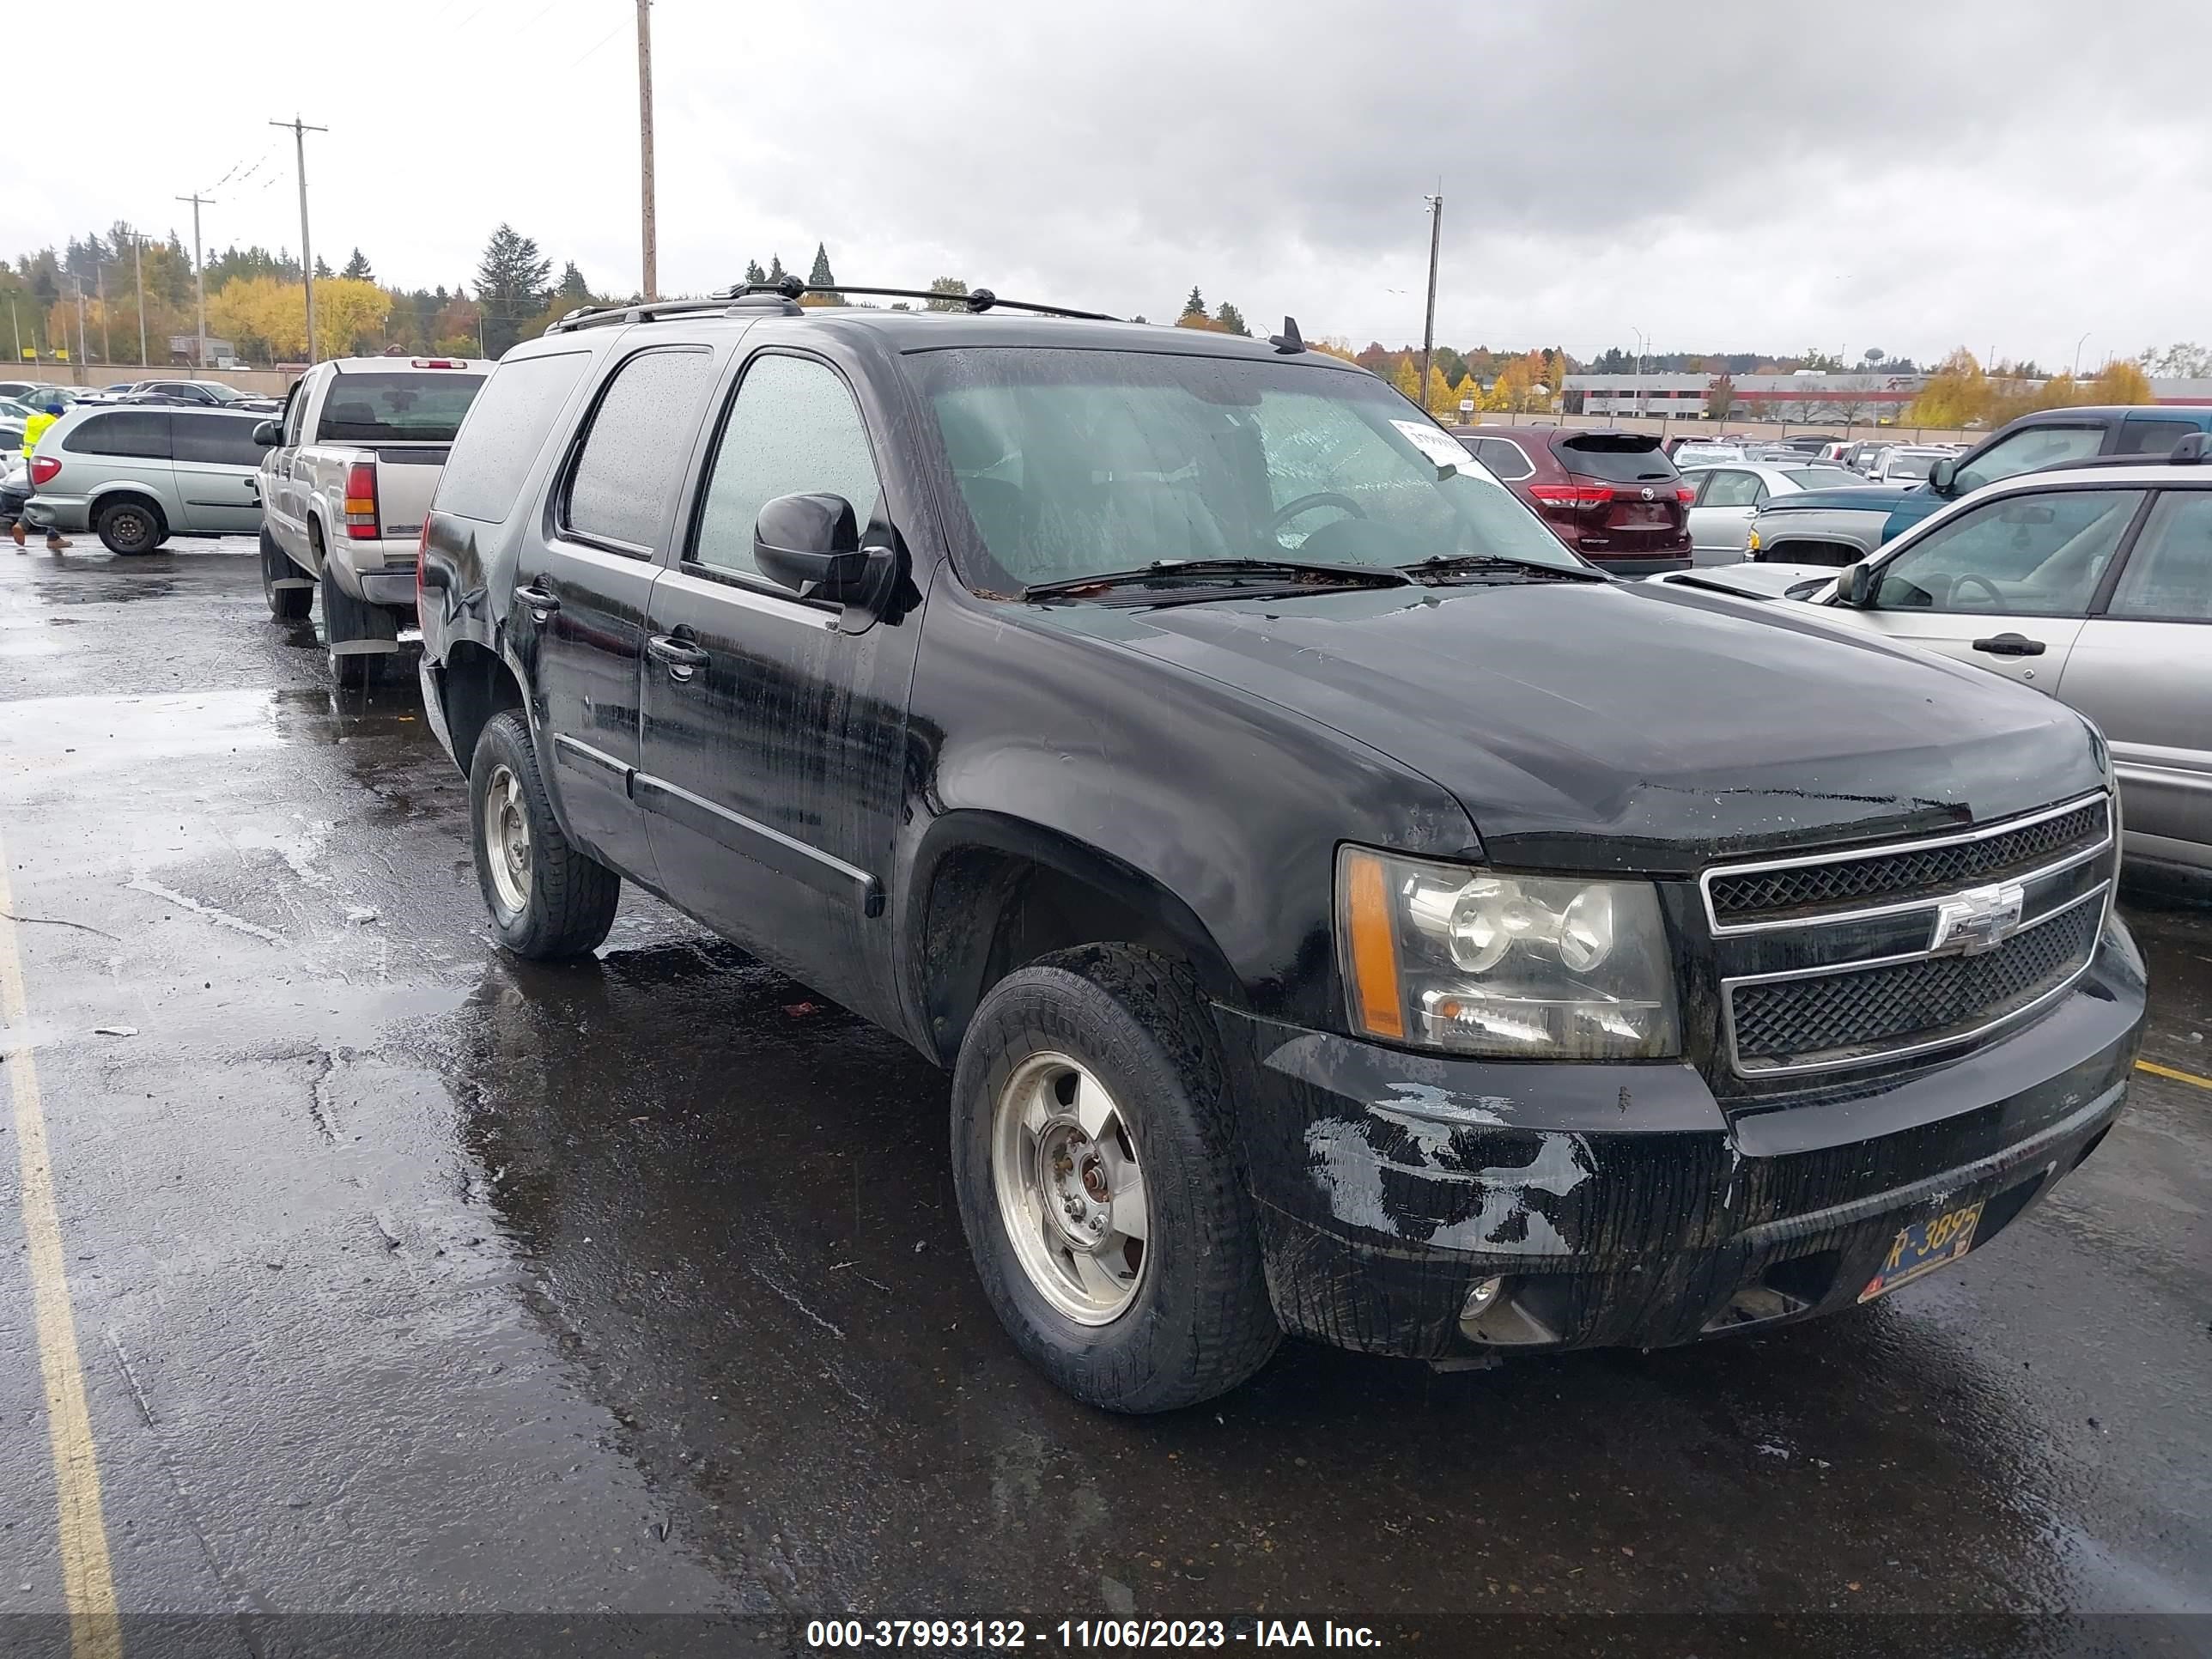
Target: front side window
1505,459
2151,437
1075,463
215,440
2168,576
296,409
140,433
1730,489
1909,469
793,430
633,459
2027,556
2026,452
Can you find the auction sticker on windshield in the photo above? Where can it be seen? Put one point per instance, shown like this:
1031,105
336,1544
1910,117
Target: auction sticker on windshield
1925,1246
1439,446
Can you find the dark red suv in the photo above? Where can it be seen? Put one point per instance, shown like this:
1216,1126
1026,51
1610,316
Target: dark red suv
1613,496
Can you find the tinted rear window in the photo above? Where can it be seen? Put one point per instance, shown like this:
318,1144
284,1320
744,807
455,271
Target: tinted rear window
220,440
2151,437
641,439
1615,458
506,426
143,433
425,406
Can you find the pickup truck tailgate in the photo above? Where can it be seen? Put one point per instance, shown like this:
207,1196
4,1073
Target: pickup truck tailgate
406,479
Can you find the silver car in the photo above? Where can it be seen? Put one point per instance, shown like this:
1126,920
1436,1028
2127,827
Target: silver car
2093,583
1729,495
137,475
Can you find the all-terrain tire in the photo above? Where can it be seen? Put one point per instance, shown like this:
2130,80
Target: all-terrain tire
569,897
1201,1323
285,603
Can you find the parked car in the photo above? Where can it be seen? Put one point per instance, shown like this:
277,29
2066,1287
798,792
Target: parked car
1613,496
1699,452
1342,910
1904,464
137,476
1727,498
1822,528
350,470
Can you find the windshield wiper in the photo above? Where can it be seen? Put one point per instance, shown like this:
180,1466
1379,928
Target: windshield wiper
1439,565
1175,573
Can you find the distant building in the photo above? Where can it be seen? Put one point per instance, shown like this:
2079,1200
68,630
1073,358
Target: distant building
1852,399
186,349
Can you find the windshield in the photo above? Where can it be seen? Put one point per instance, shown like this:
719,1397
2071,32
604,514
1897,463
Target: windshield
419,407
1076,463
1908,466
1821,478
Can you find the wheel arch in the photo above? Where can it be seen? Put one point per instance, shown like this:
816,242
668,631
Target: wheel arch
475,682
989,892
106,496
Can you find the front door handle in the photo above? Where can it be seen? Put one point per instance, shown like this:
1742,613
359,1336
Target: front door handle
541,604
680,657
2010,645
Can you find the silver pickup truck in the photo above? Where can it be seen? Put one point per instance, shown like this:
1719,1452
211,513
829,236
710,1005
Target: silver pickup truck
350,467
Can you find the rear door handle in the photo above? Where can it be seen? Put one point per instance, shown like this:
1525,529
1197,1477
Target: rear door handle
2010,645
680,657
541,603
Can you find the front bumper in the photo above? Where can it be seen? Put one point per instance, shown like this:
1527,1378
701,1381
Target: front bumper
1622,1205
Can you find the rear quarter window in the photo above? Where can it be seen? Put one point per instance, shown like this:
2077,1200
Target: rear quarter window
216,439
507,426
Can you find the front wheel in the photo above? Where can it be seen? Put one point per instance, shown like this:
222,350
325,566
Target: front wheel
548,899
1095,1165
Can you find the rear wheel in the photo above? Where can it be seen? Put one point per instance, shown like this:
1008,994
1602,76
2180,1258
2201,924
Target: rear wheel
285,603
130,527
548,899
1093,1158
351,670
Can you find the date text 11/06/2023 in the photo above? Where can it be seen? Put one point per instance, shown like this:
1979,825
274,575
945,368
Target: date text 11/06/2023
951,1634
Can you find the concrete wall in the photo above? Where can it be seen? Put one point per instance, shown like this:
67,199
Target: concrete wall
267,382
1668,426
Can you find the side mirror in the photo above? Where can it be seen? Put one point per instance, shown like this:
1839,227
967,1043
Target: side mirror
268,434
1855,588
1940,475
812,545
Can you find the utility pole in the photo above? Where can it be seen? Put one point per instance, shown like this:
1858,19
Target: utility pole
300,130
106,345
1429,326
645,147
15,328
199,272
82,352
139,276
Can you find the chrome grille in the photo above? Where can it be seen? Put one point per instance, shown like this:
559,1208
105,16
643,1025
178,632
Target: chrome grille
1835,1017
1854,958
1798,889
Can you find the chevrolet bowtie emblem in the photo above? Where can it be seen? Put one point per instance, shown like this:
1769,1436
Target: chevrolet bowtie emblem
1978,919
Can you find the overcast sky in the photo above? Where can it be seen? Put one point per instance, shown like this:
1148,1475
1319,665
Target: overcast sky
2001,173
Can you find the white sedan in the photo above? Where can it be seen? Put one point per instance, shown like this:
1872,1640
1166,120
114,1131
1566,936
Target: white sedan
1730,493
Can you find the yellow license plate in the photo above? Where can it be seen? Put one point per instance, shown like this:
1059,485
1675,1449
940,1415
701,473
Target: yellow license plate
1925,1246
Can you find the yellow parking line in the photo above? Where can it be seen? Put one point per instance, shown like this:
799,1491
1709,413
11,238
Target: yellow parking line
2168,1072
87,1580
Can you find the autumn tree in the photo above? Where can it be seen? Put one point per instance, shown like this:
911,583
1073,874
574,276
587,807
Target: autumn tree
2182,361
1720,398
2119,382
1957,393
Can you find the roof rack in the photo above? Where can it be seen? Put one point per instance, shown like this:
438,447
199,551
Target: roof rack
975,300
784,296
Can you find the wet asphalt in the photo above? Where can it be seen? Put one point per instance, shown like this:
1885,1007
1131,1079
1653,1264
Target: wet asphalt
410,1279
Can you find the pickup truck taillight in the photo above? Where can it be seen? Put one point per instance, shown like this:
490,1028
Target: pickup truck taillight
1573,495
361,501
43,468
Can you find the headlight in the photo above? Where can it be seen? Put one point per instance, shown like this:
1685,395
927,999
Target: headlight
1443,955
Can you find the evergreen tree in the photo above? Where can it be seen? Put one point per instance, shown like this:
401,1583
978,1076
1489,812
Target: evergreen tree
574,290
357,269
510,287
1194,306
775,267
819,276
952,288
1231,320
753,271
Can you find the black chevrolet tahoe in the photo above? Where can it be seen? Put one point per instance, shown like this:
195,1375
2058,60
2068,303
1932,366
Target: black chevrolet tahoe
1343,910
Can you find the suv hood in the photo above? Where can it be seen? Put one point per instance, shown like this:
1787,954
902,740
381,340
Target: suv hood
1864,498
1633,726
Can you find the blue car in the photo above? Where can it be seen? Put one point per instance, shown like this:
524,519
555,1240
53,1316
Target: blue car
1842,526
